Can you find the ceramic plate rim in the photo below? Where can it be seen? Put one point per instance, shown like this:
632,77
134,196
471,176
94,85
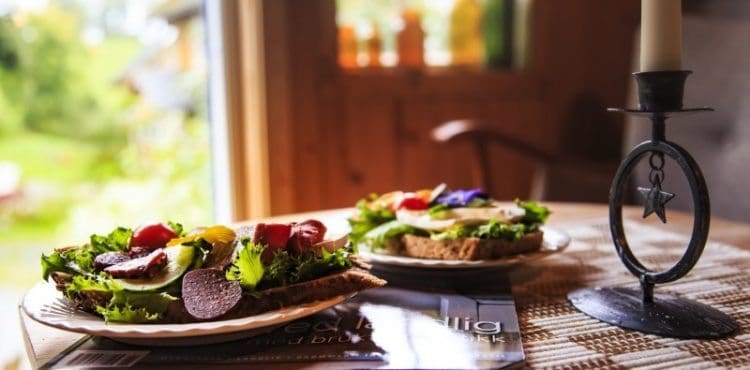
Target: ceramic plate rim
546,250
152,331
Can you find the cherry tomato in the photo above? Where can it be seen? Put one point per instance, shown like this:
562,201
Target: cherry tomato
412,202
152,236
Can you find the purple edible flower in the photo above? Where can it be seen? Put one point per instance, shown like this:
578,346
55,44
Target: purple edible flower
461,198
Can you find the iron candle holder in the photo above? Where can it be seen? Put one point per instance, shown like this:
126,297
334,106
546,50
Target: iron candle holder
660,96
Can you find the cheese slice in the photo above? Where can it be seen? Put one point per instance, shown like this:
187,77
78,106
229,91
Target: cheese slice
460,216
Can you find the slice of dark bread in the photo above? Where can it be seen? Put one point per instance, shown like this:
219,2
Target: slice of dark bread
344,283
468,249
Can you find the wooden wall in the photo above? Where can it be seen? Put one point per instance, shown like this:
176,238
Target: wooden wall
334,136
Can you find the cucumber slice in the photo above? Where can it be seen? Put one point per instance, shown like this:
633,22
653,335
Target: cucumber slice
179,260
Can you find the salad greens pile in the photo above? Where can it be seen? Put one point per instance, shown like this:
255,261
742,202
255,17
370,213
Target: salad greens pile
81,260
368,219
123,305
284,269
134,301
374,226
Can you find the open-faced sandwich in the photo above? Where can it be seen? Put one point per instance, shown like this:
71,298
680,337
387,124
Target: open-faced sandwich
158,273
448,225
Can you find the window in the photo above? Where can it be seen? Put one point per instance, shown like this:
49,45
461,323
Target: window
103,123
418,33
104,107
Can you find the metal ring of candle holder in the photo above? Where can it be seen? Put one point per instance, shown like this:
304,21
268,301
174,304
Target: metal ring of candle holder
702,213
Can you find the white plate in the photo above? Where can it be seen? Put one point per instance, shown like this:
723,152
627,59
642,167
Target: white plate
554,241
46,305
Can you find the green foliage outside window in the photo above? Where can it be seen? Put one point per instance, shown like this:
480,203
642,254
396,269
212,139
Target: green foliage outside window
92,152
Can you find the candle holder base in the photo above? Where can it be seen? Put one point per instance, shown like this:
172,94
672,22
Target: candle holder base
667,315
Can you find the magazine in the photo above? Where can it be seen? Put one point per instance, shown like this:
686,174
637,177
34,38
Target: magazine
392,327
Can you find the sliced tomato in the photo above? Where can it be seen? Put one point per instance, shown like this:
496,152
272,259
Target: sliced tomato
412,203
273,236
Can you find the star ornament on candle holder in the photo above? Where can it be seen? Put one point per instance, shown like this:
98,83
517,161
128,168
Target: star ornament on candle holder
660,97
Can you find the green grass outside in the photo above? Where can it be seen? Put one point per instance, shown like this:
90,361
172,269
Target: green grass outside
61,172
55,161
44,157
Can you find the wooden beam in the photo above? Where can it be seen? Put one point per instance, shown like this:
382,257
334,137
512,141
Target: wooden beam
246,107
280,106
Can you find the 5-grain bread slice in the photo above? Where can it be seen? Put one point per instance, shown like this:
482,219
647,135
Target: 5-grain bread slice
345,283
468,249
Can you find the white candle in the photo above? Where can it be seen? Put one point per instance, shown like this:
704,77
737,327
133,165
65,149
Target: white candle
661,35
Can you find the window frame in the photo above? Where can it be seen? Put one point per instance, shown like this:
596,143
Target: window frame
237,109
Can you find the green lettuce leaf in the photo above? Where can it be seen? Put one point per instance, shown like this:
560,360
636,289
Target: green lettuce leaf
367,219
152,302
116,241
497,230
73,261
377,237
95,283
535,213
314,267
80,259
279,271
177,228
127,314
123,306
438,211
54,262
285,269
247,267
455,232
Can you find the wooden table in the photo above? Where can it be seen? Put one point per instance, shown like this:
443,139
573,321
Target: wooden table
42,342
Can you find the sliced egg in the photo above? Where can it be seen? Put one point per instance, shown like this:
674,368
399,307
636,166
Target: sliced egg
422,220
470,216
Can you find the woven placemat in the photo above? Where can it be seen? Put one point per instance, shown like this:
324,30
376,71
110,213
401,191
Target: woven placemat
556,335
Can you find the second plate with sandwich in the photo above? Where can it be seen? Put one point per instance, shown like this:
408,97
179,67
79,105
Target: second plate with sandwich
554,241
440,228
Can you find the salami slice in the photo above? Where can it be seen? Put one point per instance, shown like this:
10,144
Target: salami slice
305,234
139,268
107,259
137,252
208,294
